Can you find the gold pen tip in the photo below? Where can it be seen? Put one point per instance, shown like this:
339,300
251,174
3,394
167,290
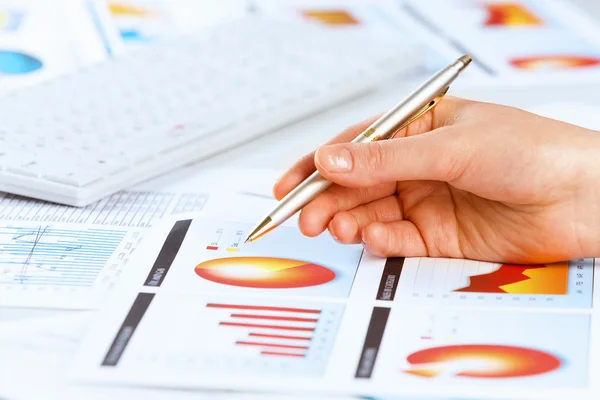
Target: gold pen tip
464,61
261,229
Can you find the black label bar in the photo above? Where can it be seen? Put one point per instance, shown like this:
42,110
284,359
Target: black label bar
168,252
390,278
137,311
373,339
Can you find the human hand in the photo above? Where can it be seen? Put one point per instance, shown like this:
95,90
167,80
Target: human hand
466,180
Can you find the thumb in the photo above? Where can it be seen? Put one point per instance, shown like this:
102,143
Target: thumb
436,155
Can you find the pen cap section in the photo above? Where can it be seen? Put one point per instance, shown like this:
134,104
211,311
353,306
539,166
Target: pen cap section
419,101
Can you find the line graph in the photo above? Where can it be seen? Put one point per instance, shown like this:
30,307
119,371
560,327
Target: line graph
51,256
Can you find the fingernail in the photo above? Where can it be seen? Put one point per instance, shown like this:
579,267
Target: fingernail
364,240
335,160
329,228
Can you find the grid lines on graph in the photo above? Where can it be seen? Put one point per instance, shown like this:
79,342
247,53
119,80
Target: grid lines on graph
43,255
126,208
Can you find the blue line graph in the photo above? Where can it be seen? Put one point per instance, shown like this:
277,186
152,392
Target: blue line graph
43,255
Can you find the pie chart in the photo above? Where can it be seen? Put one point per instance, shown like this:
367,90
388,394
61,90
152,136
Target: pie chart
16,63
554,62
264,272
481,361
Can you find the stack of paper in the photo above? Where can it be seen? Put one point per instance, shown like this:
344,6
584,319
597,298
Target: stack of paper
152,292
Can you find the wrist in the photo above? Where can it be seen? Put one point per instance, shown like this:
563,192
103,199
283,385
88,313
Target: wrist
587,198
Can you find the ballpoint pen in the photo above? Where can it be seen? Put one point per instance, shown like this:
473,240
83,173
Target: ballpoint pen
412,107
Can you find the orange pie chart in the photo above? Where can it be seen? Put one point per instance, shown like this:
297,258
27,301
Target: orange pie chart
481,361
554,62
264,272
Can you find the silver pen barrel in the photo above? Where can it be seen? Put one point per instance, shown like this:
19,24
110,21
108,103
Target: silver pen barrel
412,107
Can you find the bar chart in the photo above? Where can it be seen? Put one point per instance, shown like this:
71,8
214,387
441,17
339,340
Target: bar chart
293,328
244,336
295,339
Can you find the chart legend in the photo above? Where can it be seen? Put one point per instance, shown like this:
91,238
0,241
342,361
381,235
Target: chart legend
467,282
214,244
235,246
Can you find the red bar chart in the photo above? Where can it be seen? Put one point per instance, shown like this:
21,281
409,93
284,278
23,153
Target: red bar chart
294,338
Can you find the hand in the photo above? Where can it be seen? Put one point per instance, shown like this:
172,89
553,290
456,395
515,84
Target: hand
466,180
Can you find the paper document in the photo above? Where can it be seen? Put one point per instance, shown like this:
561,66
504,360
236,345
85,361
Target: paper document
140,22
40,40
520,42
56,256
40,350
297,314
525,41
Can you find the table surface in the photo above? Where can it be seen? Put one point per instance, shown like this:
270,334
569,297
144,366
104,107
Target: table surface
287,144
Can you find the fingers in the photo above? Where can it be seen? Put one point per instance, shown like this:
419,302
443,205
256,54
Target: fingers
439,155
347,226
315,216
306,165
444,114
394,239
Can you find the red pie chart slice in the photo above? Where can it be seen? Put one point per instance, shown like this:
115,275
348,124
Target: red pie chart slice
264,272
481,361
554,62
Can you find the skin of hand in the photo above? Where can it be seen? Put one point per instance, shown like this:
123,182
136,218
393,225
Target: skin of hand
466,180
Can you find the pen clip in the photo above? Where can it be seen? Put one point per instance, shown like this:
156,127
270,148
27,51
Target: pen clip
428,107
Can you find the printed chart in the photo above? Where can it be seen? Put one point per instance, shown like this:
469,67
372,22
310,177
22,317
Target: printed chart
485,348
529,38
131,208
249,337
18,63
466,282
349,15
10,20
136,21
49,265
330,17
284,262
44,255
39,41
509,15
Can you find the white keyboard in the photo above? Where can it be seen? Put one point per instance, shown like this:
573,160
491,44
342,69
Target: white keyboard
83,136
